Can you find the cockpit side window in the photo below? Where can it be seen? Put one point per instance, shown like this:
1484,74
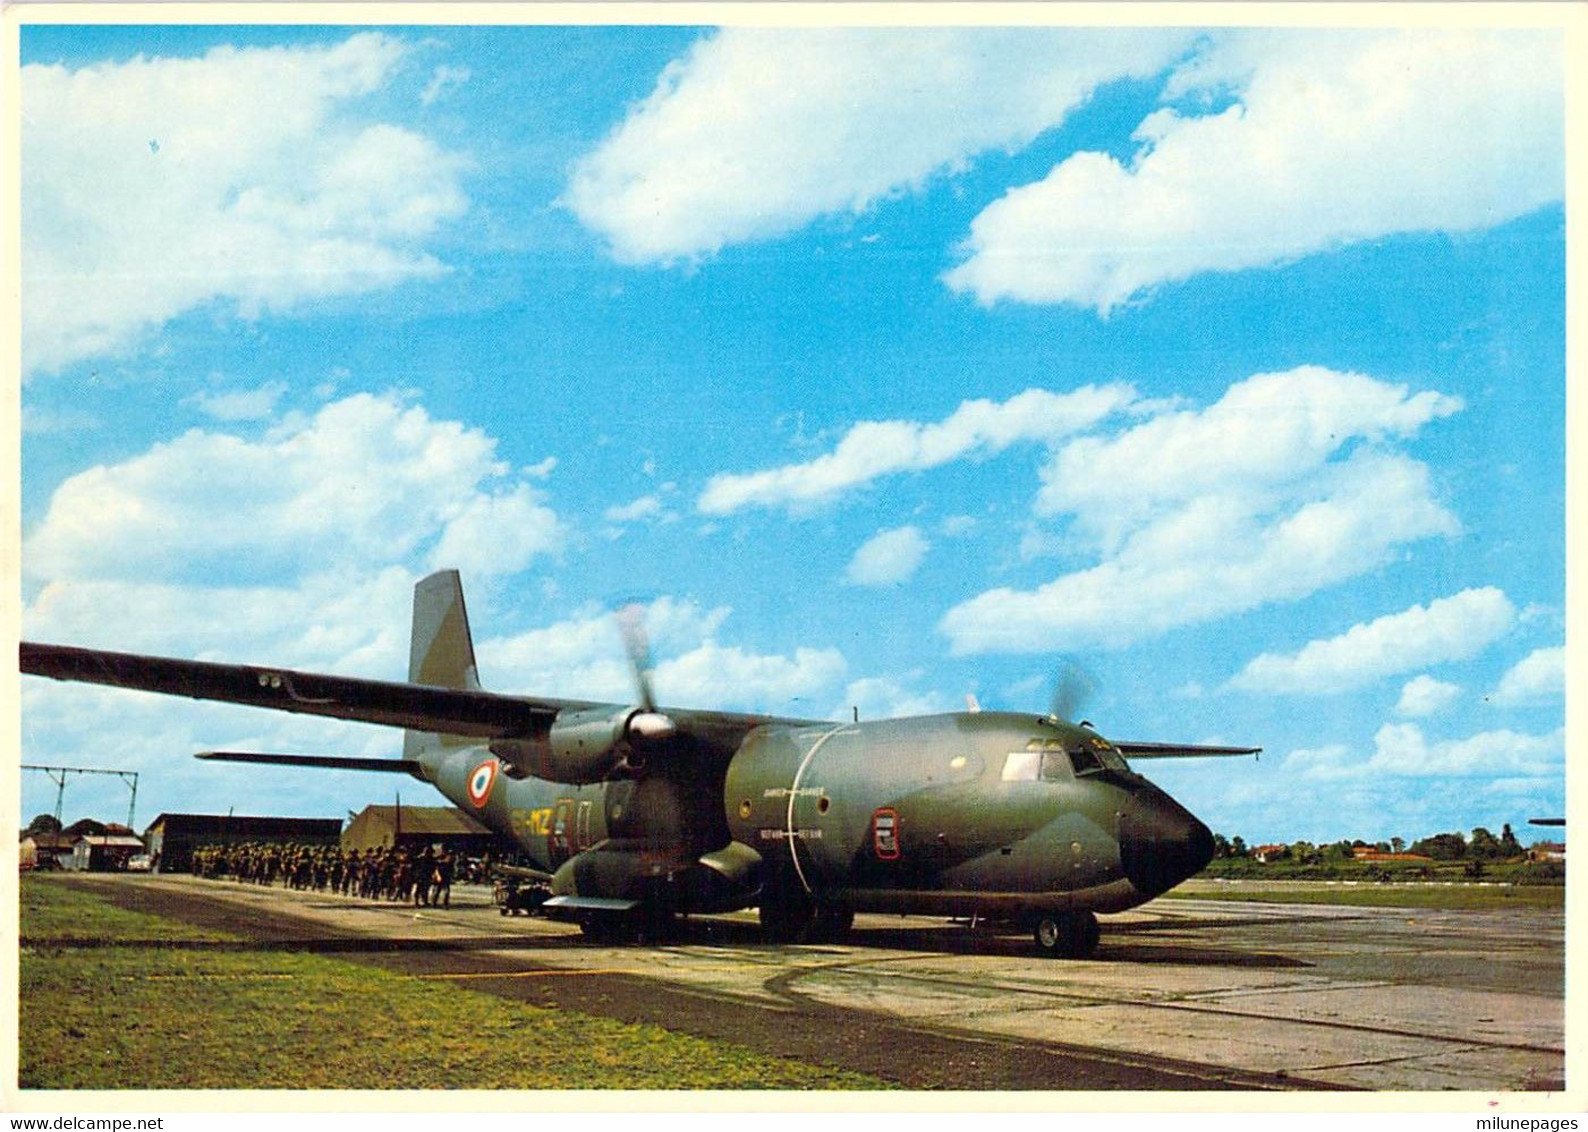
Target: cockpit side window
1055,767
1084,759
1113,760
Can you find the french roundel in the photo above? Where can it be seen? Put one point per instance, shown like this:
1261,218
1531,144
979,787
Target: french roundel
481,779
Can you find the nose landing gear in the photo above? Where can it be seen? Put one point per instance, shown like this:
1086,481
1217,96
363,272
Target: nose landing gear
1067,935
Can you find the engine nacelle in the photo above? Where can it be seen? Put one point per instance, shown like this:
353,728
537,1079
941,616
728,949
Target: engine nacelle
581,747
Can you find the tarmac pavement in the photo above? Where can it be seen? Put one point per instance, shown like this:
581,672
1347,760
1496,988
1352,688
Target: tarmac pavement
1183,994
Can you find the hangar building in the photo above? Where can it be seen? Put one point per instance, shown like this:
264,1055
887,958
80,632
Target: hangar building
414,827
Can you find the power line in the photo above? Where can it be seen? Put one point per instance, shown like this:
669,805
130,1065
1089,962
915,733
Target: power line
58,775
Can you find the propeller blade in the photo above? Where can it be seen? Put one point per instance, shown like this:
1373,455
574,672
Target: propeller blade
631,623
1072,688
646,725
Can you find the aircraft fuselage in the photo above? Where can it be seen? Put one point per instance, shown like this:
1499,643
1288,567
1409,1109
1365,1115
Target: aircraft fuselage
990,813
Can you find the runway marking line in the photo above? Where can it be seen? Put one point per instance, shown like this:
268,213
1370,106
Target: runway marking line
525,974
216,977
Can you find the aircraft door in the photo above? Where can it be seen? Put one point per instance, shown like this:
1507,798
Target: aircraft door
827,808
558,841
581,826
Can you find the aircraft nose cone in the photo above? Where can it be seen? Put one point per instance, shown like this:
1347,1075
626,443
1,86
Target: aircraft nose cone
1161,843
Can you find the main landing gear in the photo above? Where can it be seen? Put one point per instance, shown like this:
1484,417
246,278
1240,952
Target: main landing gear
1066,935
795,919
652,925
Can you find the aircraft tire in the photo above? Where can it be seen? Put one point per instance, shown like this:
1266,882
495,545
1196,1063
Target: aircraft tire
1067,936
828,925
786,921
608,929
657,925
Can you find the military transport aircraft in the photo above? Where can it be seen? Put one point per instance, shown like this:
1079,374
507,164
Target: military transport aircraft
638,813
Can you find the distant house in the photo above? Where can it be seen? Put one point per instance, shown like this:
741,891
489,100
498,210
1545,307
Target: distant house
104,852
1266,853
378,827
173,837
45,850
85,845
1547,851
1368,853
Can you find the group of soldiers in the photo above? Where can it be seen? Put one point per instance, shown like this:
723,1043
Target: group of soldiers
399,875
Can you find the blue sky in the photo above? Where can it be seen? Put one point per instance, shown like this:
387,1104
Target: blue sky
887,366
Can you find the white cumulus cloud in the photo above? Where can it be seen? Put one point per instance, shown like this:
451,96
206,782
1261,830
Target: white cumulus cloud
1402,749
582,657
882,697
1538,676
349,621
1268,434
1288,484
247,176
443,79
888,558
1452,628
645,507
498,531
872,449
240,404
1333,137
298,547
732,676
1423,695
365,480
336,620
1315,763
754,132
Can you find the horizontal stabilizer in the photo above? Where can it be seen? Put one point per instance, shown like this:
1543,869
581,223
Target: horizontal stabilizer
593,903
520,873
1180,751
571,907
330,762
447,711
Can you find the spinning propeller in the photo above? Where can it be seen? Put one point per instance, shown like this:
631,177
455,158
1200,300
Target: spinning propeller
1073,686
647,724
594,743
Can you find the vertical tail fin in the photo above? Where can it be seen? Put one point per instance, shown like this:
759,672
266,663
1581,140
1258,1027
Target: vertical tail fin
442,651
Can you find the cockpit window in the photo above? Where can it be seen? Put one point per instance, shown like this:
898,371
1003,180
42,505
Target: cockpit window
1043,758
1021,766
1110,757
1098,753
1081,750
1051,760
1084,759
1055,767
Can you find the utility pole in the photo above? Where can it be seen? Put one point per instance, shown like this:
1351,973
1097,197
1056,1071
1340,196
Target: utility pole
57,775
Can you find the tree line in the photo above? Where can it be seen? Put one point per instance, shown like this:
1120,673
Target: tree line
1483,845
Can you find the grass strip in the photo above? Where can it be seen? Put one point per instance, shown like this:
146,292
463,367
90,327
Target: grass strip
1455,897
54,908
159,1018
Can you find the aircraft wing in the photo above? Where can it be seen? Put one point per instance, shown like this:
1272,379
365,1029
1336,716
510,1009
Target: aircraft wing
1179,751
421,707
418,706
332,762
